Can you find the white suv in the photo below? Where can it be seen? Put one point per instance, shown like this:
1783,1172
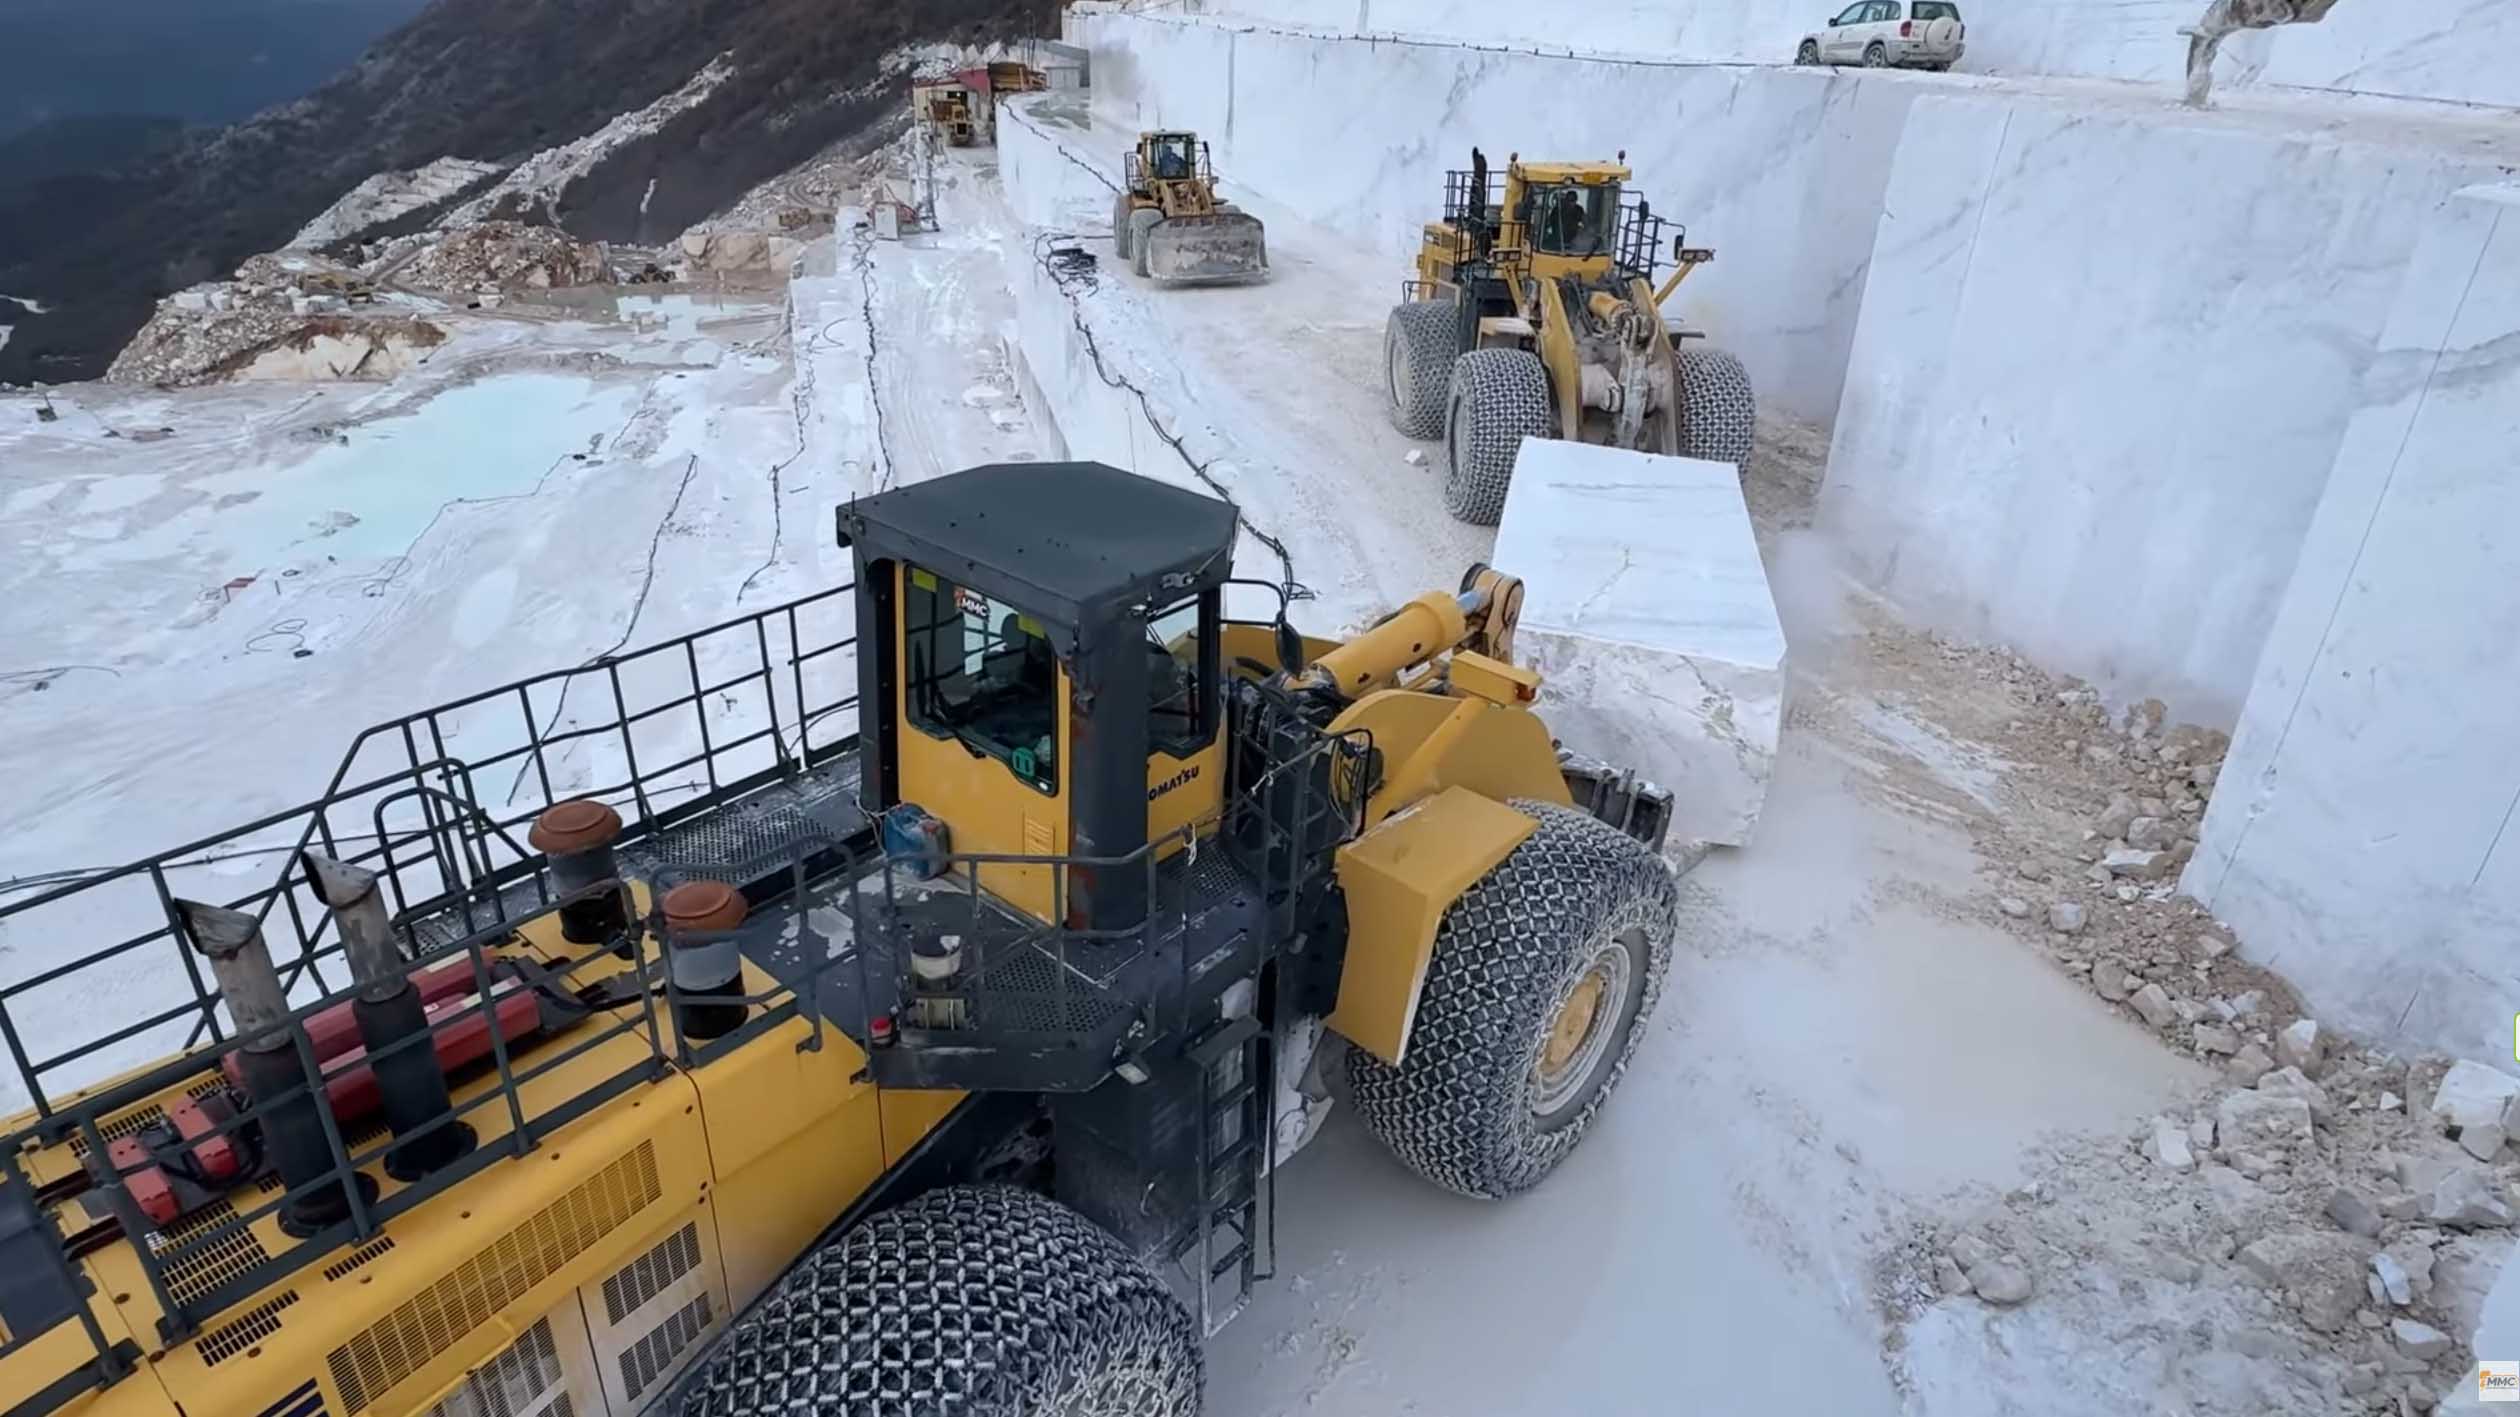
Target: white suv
1922,34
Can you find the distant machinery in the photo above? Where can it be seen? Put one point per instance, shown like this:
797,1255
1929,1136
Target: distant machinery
1169,224
961,107
2224,18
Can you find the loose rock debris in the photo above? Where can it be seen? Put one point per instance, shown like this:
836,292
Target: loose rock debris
505,255
2293,1239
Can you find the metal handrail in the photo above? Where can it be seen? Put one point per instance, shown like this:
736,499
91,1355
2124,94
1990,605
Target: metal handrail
449,858
86,1117
467,845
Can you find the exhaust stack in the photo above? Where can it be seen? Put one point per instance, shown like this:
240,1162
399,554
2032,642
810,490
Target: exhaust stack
391,1016
293,1130
578,836
708,974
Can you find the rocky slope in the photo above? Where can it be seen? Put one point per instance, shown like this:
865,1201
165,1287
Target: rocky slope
494,80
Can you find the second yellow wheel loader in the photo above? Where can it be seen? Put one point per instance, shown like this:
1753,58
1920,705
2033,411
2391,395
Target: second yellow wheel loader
1533,314
877,1004
1169,224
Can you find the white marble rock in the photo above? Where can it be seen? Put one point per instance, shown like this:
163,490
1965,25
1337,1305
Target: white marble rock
2128,504
1647,607
2362,832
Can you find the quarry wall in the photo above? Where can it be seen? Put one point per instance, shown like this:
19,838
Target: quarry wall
2360,837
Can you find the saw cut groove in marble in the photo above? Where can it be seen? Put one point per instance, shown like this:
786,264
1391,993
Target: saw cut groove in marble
1647,607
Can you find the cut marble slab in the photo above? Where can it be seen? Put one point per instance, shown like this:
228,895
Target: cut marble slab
2359,828
1647,608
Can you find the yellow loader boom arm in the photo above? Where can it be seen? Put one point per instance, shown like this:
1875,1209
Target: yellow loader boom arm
1479,618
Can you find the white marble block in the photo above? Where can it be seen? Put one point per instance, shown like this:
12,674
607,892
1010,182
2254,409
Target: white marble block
1647,607
2358,833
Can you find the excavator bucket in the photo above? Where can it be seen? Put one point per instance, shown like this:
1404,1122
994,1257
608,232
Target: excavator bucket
1186,250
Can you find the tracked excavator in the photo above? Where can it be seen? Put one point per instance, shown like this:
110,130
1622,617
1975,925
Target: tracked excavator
895,1001
1169,224
1533,313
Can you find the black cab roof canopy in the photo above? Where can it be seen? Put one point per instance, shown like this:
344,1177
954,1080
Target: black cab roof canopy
1071,543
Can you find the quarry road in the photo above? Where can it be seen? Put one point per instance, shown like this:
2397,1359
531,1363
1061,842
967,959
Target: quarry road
1293,366
1838,1055
946,387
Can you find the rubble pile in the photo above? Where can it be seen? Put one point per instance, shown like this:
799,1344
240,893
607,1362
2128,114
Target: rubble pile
730,251
505,255
194,348
2308,1219
289,302
2314,1229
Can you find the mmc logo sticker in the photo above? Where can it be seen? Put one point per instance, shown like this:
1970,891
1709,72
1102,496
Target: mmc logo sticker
2498,1381
1182,778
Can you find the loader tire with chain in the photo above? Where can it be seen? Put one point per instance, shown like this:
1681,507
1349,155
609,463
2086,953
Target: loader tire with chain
1420,341
1120,212
981,1300
1496,1088
1719,415
1497,398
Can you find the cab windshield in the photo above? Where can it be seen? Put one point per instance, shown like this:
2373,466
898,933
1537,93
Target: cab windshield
981,673
1571,219
1173,157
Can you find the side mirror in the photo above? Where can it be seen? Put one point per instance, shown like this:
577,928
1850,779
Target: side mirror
1290,648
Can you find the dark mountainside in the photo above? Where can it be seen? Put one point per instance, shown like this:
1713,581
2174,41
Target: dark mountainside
492,79
184,60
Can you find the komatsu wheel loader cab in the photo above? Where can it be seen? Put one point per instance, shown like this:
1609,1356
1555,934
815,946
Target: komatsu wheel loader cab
1533,313
896,1000
1046,647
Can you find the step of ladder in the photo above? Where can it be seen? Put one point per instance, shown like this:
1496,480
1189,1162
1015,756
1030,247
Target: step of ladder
1236,1189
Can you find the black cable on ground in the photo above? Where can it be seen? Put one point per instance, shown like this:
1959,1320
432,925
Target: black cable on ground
874,390
1061,149
1073,277
798,401
41,678
638,606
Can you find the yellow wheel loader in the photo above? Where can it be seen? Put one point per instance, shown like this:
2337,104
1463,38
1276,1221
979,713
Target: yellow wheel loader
1533,314
945,107
882,1003
1167,222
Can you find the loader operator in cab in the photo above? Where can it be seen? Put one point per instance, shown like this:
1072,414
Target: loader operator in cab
1172,158
1574,221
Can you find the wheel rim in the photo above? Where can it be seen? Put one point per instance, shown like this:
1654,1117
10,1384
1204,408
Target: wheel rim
1810,54
1580,1029
1876,58
1391,367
